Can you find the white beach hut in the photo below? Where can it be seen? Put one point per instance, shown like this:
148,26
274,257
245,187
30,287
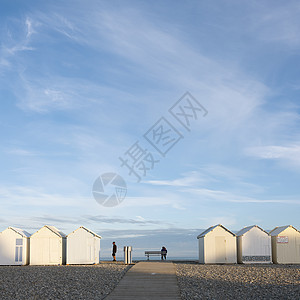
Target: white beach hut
285,245
14,246
48,247
83,247
253,245
217,244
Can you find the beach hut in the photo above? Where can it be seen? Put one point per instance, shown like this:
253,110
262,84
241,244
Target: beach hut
217,244
83,247
48,247
253,245
14,246
285,245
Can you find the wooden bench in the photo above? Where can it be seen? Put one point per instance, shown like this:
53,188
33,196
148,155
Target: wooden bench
152,253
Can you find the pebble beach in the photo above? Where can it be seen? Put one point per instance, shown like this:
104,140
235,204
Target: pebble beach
195,281
60,282
238,281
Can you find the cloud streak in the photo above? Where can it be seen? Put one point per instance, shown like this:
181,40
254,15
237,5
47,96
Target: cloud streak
189,179
224,196
288,153
12,45
279,25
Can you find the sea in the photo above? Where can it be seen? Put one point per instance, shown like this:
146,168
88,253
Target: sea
144,258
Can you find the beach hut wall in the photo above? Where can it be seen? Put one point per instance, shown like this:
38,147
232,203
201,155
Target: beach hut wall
253,245
48,247
83,247
285,245
217,244
14,246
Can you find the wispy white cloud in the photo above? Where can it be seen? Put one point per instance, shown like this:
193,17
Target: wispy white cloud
227,196
30,29
68,27
20,196
280,24
56,93
20,152
18,48
222,171
63,25
189,179
144,201
161,51
42,95
233,97
212,175
12,45
119,220
288,153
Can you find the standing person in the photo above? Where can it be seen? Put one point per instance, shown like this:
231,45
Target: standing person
114,251
164,252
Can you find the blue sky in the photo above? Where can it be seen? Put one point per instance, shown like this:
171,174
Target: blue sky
82,81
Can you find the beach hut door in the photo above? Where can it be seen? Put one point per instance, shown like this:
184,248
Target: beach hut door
90,249
54,250
19,250
220,249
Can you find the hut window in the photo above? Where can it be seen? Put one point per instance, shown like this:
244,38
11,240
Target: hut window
19,242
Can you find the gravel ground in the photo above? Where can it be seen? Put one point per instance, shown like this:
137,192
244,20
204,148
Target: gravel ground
60,282
238,281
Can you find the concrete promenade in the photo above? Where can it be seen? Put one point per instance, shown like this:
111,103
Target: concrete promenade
148,280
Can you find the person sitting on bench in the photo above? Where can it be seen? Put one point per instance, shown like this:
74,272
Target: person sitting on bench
163,253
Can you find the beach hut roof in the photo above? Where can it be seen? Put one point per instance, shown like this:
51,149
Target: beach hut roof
205,232
246,229
19,231
278,230
93,233
54,230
